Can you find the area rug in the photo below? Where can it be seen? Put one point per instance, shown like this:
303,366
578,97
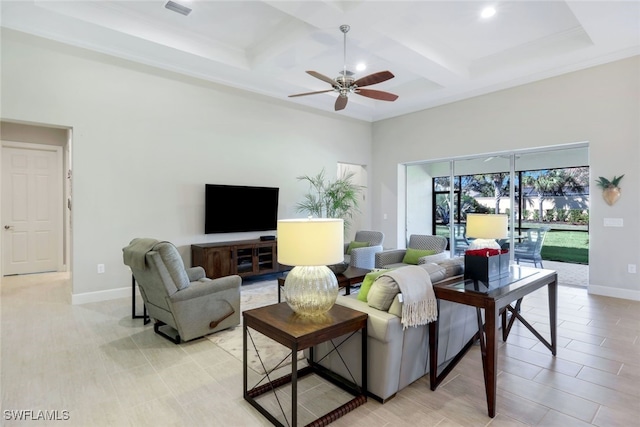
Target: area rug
272,354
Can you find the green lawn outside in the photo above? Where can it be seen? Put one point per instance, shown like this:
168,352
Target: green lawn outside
566,246
559,245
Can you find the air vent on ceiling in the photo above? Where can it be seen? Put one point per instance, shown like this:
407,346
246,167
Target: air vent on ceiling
183,10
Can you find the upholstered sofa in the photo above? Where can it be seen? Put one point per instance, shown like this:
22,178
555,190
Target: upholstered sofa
397,357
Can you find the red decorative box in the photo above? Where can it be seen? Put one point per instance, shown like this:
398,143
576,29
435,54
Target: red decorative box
479,266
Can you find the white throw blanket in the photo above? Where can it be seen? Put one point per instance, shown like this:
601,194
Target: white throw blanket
419,305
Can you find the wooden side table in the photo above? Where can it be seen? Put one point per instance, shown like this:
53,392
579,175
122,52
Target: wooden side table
296,332
495,299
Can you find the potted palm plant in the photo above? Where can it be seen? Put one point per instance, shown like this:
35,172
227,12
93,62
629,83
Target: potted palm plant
331,199
610,189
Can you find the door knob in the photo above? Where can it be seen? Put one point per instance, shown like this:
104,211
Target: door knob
8,227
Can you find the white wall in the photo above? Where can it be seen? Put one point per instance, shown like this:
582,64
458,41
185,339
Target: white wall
145,142
600,105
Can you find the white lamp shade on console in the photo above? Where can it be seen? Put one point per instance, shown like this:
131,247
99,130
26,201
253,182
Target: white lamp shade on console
310,245
485,228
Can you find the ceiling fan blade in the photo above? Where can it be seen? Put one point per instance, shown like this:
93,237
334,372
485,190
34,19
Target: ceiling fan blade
310,93
377,94
322,77
374,78
341,102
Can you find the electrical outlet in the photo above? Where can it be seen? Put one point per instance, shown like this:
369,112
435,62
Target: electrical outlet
100,268
631,268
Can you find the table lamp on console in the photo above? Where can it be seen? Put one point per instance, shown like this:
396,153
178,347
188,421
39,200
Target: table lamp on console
485,229
484,259
310,245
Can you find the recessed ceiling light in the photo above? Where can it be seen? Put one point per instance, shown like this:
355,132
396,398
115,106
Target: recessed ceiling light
488,12
361,66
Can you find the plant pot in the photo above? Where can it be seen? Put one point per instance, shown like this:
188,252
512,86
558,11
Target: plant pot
611,195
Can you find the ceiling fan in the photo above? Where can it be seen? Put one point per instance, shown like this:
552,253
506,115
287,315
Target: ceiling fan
345,83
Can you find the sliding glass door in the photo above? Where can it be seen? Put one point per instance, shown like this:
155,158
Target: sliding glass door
542,186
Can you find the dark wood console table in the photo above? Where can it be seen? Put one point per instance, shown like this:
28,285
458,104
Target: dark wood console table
296,332
495,298
242,257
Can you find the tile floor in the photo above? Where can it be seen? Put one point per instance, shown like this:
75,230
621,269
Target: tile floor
106,369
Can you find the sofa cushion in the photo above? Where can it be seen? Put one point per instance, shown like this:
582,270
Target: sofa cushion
436,272
382,326
413,255
354,245
172,261
395,265
382,293
453,266
367,282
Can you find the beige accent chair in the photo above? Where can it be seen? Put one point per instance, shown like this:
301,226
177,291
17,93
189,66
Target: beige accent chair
183,302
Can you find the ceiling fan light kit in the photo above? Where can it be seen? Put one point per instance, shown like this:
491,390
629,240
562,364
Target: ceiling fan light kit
346,84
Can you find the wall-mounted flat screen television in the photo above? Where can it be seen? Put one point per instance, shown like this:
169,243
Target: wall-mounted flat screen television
236,208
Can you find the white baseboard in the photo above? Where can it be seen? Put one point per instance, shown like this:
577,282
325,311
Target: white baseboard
607,291
87,297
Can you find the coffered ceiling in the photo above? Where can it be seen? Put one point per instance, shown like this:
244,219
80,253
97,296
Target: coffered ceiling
439,51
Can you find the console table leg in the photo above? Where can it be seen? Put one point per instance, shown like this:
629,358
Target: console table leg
491,358
433,352
294,385
553,310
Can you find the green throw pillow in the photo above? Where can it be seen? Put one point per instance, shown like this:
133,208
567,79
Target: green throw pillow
412,255
367,282
354,245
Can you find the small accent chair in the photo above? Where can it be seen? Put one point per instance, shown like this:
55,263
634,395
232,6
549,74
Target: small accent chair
393,258
460,242
182,301
364,257
530,249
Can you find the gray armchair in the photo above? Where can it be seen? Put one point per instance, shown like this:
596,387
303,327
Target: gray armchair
393,258
364,257
530,249
183,302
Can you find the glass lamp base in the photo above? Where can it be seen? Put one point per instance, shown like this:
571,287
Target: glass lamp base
311,291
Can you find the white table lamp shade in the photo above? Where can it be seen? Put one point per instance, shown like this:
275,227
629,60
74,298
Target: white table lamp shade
485,228
307,242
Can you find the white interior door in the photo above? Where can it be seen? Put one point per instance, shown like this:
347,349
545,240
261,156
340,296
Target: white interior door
31,208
